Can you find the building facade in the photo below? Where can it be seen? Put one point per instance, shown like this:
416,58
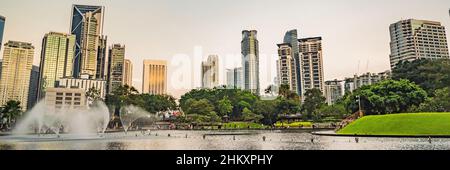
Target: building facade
333,91
154,80
65,98
128,72
87,26
286,67
234,78
210,72
2,29
34,87
311,64
116,59
83,83
57,57
417,39
16,72
358,81
250,61
101,59
291,38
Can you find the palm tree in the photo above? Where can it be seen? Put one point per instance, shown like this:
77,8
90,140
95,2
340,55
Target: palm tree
11,110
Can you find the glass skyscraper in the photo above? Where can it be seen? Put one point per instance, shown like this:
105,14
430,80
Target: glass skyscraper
291,38
87,26
2,28
250,60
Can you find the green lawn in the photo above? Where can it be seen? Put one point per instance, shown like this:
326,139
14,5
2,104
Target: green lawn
400,124
243,125
293,124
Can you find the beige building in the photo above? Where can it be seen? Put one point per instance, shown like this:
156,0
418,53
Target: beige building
286,72
128,72
65,98
333,91
83,83
311,64
416,39
16,72
154,80
57,57
210,72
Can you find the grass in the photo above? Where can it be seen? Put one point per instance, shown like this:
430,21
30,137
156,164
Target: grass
243,125
293,124
413,124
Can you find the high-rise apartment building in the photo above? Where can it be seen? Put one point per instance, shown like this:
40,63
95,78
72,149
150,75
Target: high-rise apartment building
210,72
417,39
286,67
128,72
16,71
234,78
57,57
83,83
87,26
250,61
311,64
365,79
116,59
154,80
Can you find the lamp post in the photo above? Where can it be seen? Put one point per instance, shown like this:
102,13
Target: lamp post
359,105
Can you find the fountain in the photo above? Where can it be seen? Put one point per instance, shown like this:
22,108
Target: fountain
129,114
78,123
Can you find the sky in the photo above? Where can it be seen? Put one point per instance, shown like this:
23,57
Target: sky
184,32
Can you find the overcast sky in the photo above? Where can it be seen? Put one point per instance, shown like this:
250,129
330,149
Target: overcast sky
355,32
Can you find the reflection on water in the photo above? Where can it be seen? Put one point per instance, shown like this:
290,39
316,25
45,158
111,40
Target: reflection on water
220,140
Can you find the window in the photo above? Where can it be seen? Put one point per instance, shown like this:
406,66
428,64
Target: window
77,94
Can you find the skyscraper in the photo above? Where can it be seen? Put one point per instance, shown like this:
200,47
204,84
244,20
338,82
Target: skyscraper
416,39
87,26
33,88
210,72
101,59
250,60
128,73
16,72
286,67
333,91
2,29
234,78
312,64
116,59
291,38
57,57
154,80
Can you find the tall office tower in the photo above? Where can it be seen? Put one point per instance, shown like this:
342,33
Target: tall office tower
250,60
16,72
34,87
154,80
116,59
291,38
210,72
2,29
333,91
312,63
57,57
87,26
128,73
234,78
417,39
101,59
286,67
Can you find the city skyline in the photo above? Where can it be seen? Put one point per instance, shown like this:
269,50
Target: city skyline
369,45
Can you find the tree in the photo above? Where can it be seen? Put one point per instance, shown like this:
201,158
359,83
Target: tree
336,110
430,75
286,106
93,95
121,96
201,107
439,103
248,115
225,106
11,111
389,96
266,108
285,92
314,100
